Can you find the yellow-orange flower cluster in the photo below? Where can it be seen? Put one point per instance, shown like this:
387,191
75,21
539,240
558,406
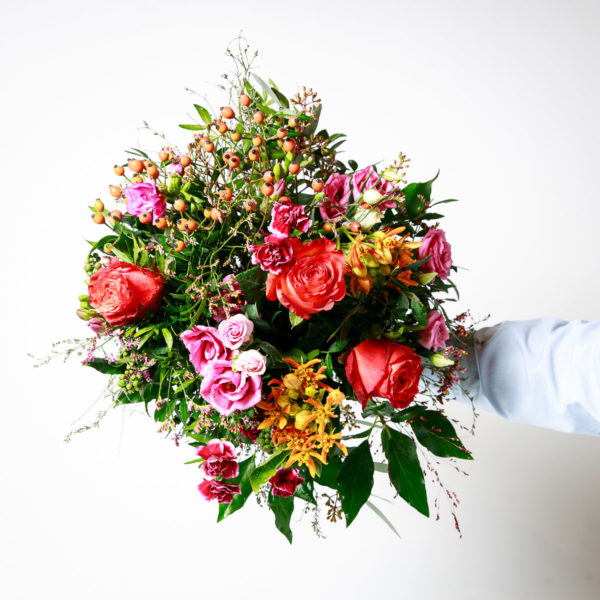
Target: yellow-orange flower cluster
384,254
299,410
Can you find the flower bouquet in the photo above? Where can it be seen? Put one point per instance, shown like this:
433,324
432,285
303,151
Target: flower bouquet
279,309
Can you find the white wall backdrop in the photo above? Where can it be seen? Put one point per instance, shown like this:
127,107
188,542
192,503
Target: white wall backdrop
502,97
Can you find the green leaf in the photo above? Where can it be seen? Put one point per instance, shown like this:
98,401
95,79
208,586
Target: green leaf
404,470
437,434
306,491
270,350
122,255
314,122
381,467
382,517
378,409
204,114
355,480
419,311
329,472
102,365
338,346
408,413
168,338
243,480
415,197
267,88
295,319
353,164
283,509
192,127
251,282
264,472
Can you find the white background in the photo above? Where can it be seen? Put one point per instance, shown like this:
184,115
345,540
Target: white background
502,97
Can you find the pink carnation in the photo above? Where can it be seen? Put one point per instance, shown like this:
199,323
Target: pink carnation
274,254
286,216
223,492
144,197
337,192
285,482
220,459
236,331
435,244
227,390
367,178
436,334
204,345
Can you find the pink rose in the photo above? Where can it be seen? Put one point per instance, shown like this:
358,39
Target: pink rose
236,331
285,482
251,362
204,345
223,492
337,192
435,243
434,336
227,390
367,178
144,197
274,254
220,459
286,216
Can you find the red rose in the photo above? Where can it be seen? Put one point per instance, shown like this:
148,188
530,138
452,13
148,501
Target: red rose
285,482
384,369
123,293
212,489
314,280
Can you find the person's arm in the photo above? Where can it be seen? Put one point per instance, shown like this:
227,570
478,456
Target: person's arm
544,372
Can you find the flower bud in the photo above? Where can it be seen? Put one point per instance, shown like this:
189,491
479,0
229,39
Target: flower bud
302,419
439,360
368,217
174,184
391,175
372,196
425,278
187,184
277,171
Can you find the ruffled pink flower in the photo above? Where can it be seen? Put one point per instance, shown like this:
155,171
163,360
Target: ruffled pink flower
204,345
144,197
436,334
285,482
274,254
337,192
236,331
175,169
223,492
435,243
286,216
227,390
251,362
220,459
367,178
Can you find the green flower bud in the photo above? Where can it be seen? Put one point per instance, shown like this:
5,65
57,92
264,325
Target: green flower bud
390,175
277,171
372,196
439,360
174,184
425,278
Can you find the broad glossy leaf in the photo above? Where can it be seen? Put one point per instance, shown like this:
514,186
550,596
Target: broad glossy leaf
283,509
102,365
404,468
264,472
355,480
251,282
419,311
204,114
415,197
437,434
243,480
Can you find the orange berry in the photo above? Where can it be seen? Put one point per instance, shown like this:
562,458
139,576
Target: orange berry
294,122
135,165
269,176
317,185
181,223
179,246
99,205
185,161
227,112
115,191
267,189
145,217
235,136
328,227
227,155
153,172
226,194
161,223
257,141
259,117
284,199
163,156
249,204
355,227
179,205
245,100
254,154
116,215
119,170
234,162
138,179
98,218
209,147
216,215
207,213
148,164
281,132
294,168
222,127
191,226
289,145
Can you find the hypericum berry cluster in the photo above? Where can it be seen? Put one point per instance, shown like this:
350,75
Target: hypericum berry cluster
92,264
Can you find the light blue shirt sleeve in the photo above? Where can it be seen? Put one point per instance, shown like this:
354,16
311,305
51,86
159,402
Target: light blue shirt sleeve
543,372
